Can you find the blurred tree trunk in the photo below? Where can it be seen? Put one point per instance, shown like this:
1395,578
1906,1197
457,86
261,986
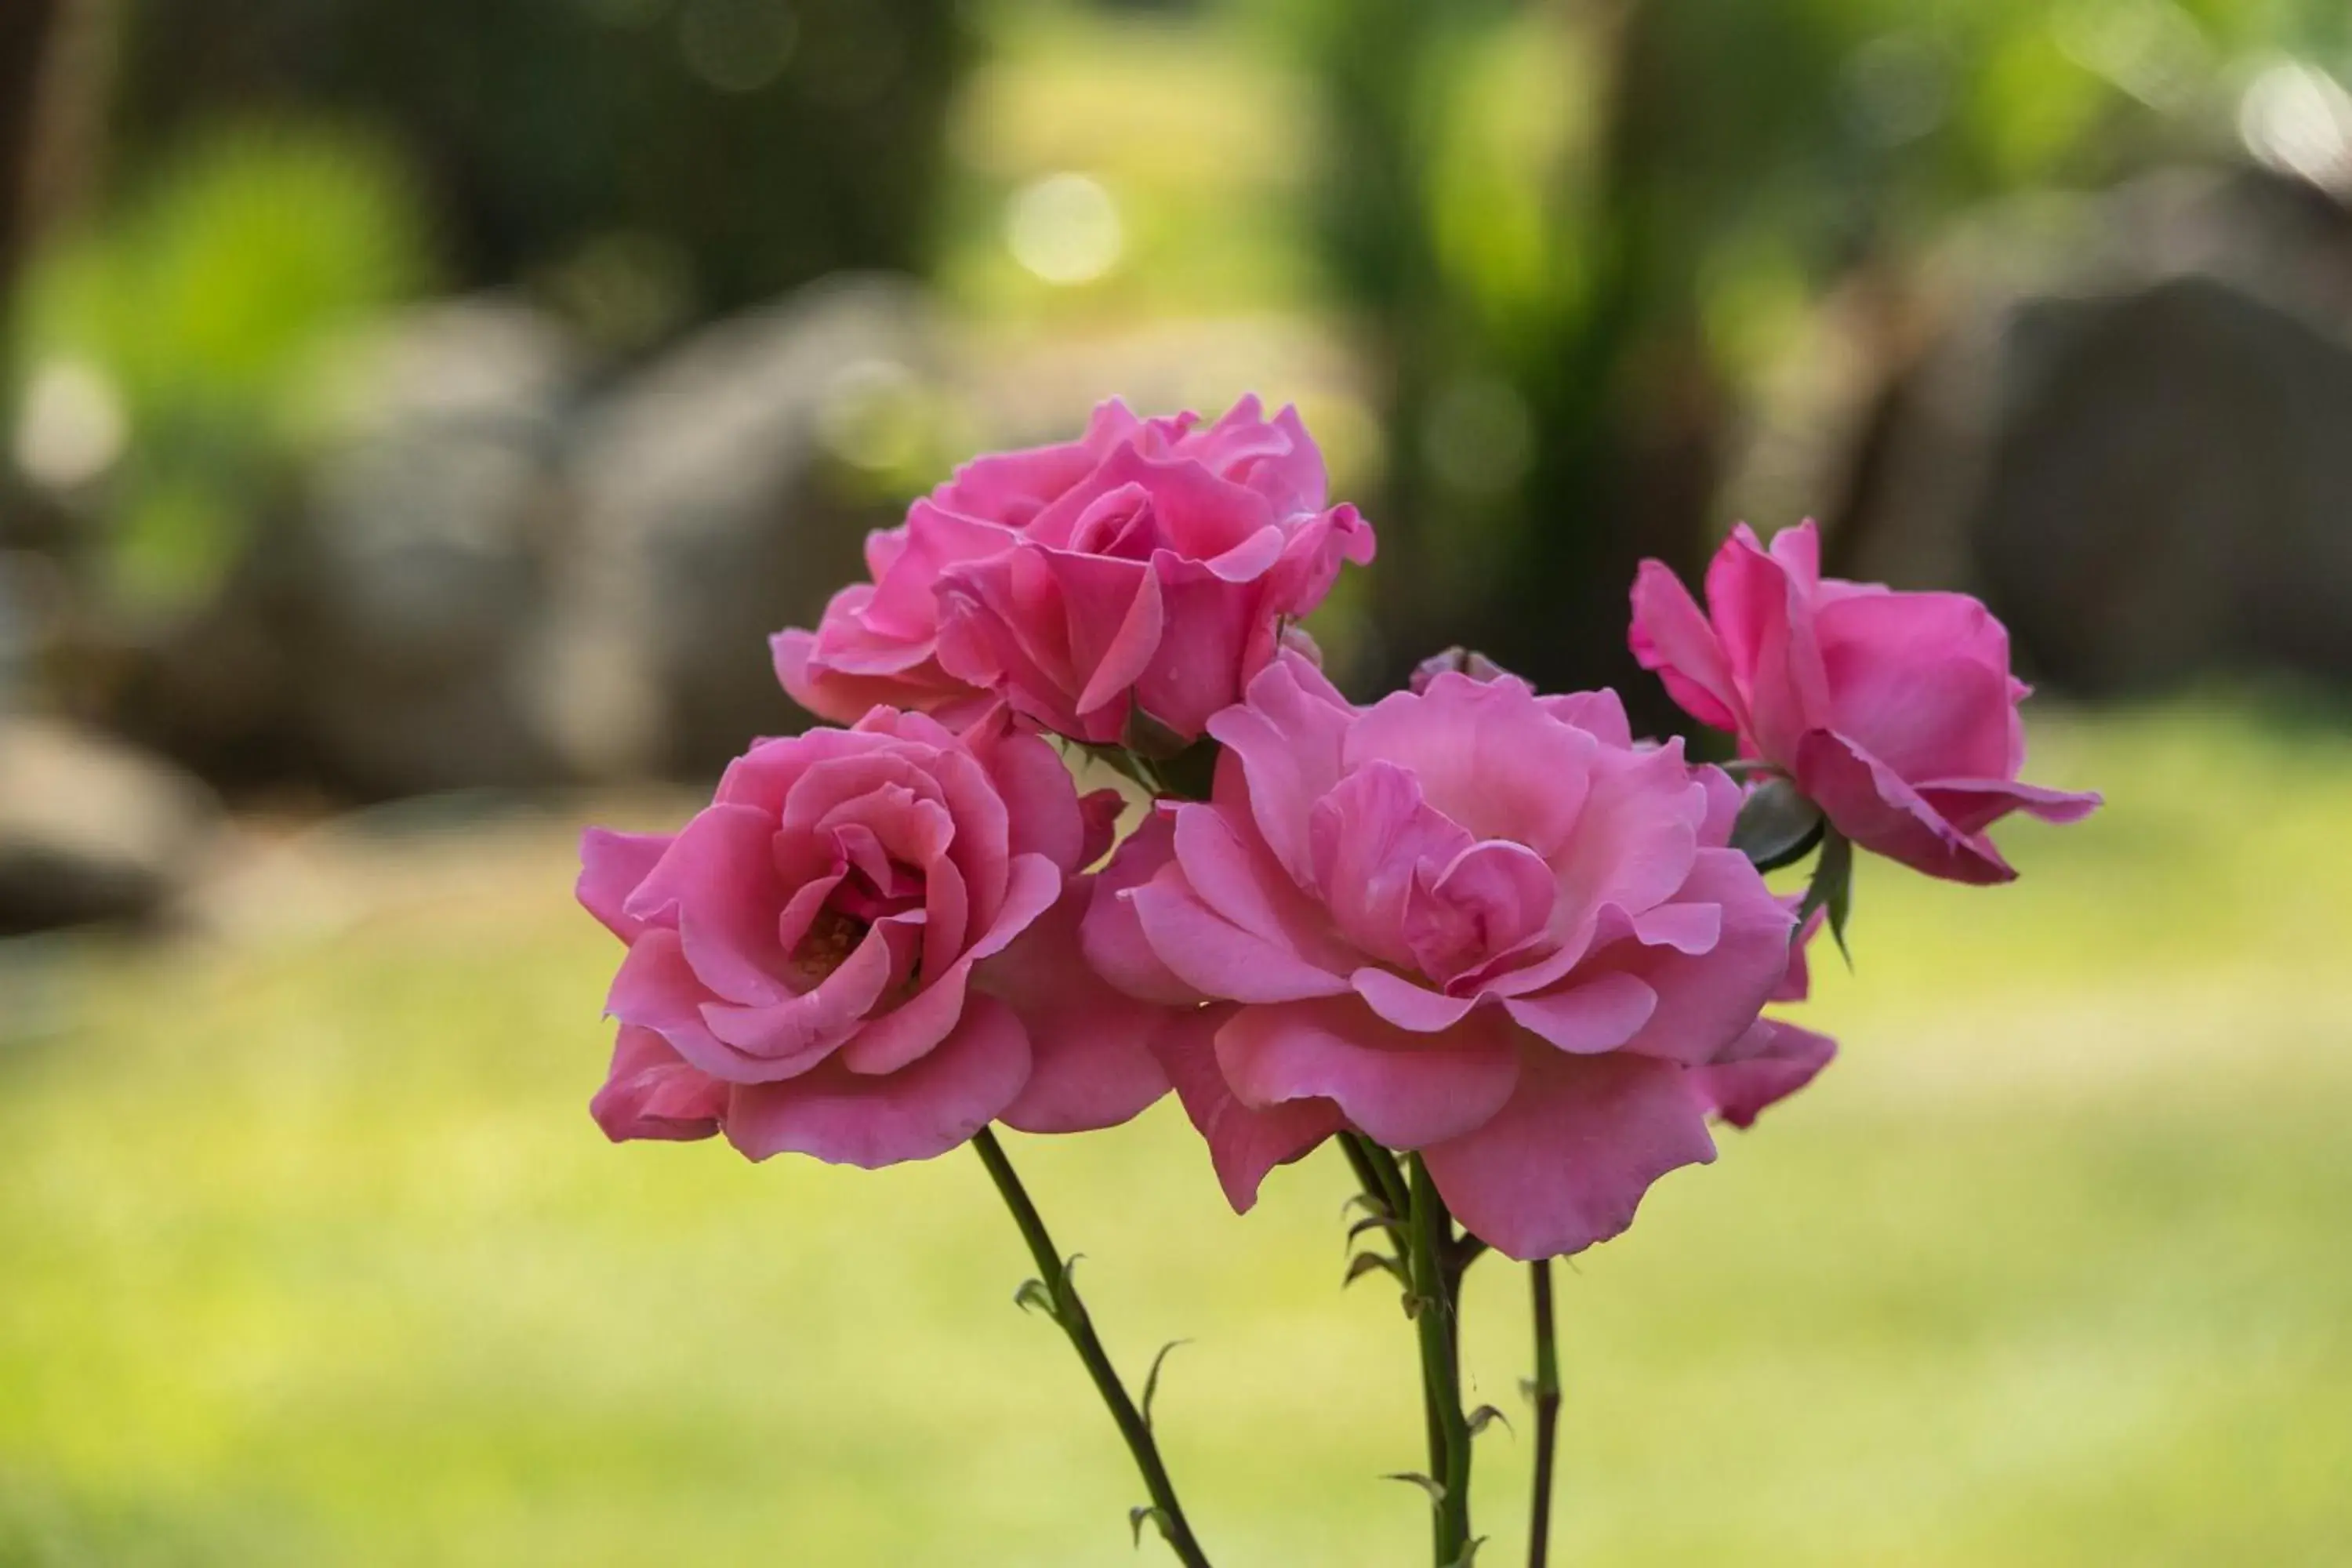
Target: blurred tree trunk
56,59
27,28
1624,413
1628,410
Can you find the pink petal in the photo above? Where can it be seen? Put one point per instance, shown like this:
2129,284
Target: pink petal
1909,680
1484,753
1112,937
921,1111
1228,867
720,876
1209,629
1709,997
1494,899
1098,815
1040,797
612,865
1566,1163
890,1041
1218,957
651,1092
1370,837
1972,806
782,1039
1405,1089
1777,1060
1868,803
1244,1143
1201,515
1596,1015
1287,739
1114,615
1092,1065
1410,1006
1671,637
1600,714
1763,616
655,989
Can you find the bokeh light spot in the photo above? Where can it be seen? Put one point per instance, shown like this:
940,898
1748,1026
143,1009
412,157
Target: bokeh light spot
1065,228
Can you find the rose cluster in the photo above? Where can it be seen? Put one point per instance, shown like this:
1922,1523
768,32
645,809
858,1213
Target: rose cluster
1471,920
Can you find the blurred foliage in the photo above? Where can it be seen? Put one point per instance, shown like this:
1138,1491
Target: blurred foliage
1573,237
645,163
192,316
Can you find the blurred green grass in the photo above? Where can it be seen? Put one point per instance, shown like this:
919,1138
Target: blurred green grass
312,1256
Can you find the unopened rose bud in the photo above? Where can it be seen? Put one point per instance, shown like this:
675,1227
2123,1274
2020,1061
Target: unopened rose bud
1456,660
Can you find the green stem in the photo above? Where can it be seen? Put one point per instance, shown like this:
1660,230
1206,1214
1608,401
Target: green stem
1071,1313
1434,1280
1376,1168
1384,1184
1547,1413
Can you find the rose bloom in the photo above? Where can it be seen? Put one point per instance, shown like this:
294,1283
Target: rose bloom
865,949
1894,714
1467,920
1150,567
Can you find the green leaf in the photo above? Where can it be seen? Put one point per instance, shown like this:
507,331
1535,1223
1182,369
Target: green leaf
1151,1379
1036,1296
1436,1490
1469,1554
1377,1221
1776,827
1364,1263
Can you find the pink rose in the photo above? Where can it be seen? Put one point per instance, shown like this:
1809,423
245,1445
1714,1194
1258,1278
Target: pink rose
1150,565
865,949
1469,920
1894,714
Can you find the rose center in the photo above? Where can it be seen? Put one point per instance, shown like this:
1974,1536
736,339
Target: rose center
832,937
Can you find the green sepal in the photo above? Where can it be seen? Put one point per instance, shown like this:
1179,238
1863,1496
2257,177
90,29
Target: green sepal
1776,827
1832,888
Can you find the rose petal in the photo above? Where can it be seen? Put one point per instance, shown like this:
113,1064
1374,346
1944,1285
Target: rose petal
1244,1143
1776,1061
1092,1065
1567,1161
1404,1089
917,1113
652,1092
612,865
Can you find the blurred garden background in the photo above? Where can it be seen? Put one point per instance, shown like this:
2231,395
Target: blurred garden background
414,415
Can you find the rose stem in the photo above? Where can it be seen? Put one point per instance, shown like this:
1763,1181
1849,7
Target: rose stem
1071,1313
1432,1232
1384,1187
1547,1413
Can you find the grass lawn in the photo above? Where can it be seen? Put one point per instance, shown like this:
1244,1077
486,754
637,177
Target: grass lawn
308,1254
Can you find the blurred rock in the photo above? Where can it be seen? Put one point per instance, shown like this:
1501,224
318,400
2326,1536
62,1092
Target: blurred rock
488,577
91,830
718,501
2169,493
2129,434
374,634
428,547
